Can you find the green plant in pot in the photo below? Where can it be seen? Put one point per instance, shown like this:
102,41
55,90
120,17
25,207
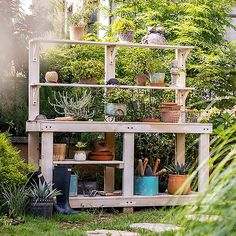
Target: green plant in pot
77,107
124,29
77,26
80,154
178,181
41,203
87,72
115,102
156,71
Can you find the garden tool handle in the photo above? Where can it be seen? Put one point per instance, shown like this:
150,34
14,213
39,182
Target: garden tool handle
145,162
162,171
155,167
140,164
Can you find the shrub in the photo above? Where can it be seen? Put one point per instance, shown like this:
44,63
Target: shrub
13,169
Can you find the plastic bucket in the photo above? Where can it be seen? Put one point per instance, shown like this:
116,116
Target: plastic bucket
73,185
146,185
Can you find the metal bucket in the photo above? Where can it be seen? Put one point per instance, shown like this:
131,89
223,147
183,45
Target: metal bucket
73,186
146,185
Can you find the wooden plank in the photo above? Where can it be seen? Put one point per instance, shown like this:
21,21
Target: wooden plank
47,156
203,162
123,127
180,149
109,86
128,158
33,149
110,44
132,201
110,64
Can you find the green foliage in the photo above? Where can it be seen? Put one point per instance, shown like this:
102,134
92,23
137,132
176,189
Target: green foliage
178,169
15,198
41,191
81,146
76,19
13,170
117,96
87,69
121,25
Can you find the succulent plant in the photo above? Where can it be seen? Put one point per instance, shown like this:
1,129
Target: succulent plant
178,169
81,146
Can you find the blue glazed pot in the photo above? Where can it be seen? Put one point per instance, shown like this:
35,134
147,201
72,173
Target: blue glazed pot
146,185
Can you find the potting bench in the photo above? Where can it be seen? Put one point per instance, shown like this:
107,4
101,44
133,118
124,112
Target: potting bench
48,127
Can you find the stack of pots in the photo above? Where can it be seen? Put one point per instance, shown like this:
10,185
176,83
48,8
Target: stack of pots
170,112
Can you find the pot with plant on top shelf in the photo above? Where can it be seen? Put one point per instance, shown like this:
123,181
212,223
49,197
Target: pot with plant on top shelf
179,180
124,29
80,154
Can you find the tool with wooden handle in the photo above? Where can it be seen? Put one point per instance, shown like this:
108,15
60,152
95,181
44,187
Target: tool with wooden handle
162,171
155,167
145,162
140,165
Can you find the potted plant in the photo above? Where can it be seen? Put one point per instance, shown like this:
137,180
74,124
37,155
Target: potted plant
87,72
156,70
77,107
80,154
41,203
77,26
115,102
124,29
178,181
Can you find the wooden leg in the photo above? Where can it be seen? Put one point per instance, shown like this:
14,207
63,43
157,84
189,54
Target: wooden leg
128,158
180,148
109,172
33,149
203,162
47,156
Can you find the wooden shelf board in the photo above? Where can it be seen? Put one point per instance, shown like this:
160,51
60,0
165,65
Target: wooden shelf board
132,201
110,86
122,127
118,44
120,164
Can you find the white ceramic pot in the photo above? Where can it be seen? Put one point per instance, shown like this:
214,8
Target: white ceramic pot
80,156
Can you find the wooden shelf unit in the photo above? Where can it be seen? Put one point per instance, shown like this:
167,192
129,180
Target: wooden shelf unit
48,127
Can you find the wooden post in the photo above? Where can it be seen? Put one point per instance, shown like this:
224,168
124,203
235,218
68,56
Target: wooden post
203,162
180,149
33,138
128,158
47,156
109,172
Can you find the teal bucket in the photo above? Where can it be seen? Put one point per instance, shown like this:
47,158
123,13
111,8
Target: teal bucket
146,185
73,186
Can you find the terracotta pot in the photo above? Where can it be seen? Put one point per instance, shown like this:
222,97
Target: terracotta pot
59,151
141,80
88,81
51,77
170,116
178,184
151,120
77,32
158,84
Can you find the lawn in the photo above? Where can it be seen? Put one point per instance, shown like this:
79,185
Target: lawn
89,220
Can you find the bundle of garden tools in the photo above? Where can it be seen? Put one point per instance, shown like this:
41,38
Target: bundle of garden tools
144,169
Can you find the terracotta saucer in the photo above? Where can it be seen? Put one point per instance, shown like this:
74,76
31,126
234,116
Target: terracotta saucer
151,120
100,158
101,154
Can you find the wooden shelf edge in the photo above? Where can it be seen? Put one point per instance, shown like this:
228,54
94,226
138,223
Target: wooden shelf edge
132,201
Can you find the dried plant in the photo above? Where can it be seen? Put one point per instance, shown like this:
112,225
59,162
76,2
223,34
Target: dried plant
79,107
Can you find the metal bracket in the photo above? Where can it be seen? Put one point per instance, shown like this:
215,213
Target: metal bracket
35,94
36,52
112,55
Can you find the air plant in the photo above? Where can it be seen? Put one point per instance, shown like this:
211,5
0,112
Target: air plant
77,106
